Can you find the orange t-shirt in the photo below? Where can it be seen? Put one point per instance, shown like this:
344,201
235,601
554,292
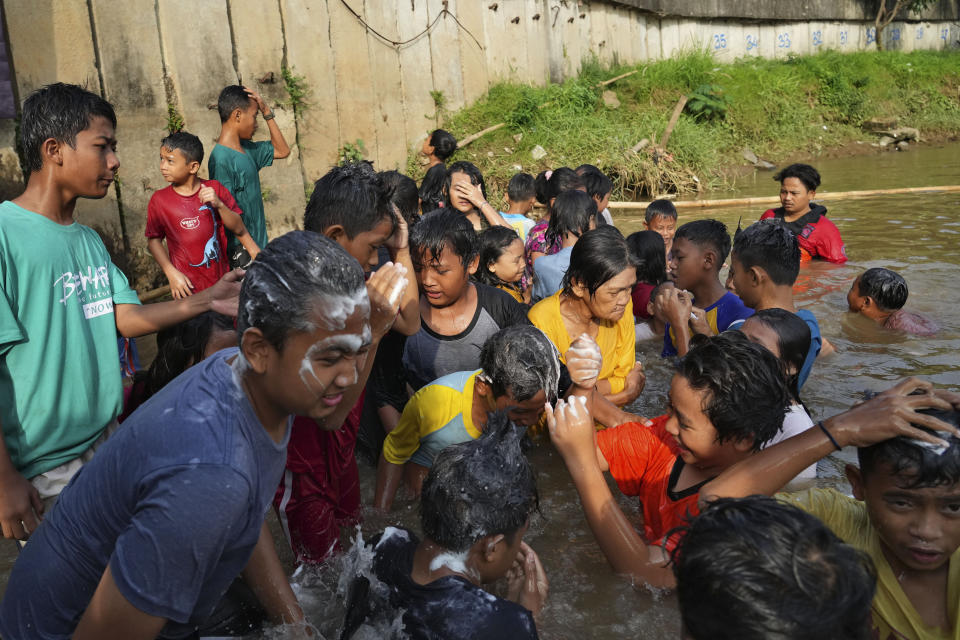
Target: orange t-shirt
645,463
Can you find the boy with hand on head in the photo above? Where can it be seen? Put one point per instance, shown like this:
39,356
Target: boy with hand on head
198,463
905,505
661,216
456,315
474,511
521,194
727,398
818,236
62,304
519,371
192,215
795,579
699,250
236,160
764,265
320,489
879,294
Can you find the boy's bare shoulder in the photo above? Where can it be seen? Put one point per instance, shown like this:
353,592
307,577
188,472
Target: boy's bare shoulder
910,322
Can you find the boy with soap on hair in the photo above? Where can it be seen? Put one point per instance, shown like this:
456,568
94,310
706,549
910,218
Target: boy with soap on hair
905,509
474,511
879,294
519,371
236,160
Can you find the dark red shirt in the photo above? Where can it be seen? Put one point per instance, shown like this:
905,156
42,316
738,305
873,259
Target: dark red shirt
196,239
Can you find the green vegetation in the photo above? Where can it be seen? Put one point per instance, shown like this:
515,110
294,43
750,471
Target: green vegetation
297,90
352,152
780,109
174,119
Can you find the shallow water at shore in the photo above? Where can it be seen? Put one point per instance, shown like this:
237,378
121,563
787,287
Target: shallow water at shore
915,234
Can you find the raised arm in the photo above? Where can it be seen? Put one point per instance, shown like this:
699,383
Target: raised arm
572,432
408,322
887,415
280,147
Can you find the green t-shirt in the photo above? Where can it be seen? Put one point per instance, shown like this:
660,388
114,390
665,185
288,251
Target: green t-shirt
60,380
240,174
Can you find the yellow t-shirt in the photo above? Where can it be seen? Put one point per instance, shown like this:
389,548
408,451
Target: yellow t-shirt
894,617
617,340
438,415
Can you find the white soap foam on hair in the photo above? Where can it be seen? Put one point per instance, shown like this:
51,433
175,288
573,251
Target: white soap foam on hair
335,309
349,343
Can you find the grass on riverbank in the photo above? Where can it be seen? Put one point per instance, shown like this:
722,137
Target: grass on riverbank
778,108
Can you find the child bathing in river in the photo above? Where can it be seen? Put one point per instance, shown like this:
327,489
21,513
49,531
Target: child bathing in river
879,294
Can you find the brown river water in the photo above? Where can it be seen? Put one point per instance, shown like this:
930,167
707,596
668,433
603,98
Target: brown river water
916,235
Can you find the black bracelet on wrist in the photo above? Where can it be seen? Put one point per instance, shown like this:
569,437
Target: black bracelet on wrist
829,435
269,116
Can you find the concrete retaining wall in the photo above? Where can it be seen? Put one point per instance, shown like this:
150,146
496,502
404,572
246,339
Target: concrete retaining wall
370,67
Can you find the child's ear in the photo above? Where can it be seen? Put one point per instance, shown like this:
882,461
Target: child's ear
490,546
51,151
256,349
744,445
237,114
473,264
756,275
194,167
867,302
482,386
336,233
855,478
709,259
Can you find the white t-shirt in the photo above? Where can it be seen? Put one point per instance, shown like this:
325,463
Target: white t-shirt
796,421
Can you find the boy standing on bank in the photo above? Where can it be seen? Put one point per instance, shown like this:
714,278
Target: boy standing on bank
236,160
62,304
192,215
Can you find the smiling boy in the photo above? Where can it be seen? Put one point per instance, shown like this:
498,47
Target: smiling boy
727,398
905,512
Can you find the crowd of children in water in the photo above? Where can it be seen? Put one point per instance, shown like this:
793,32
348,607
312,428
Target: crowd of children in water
433,333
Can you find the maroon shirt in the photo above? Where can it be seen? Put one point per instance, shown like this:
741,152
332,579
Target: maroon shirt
196,239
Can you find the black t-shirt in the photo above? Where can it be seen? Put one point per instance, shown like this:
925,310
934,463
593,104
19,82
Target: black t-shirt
428,355
446,609
795,227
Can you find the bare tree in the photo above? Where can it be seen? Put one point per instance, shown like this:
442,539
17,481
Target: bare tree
886,13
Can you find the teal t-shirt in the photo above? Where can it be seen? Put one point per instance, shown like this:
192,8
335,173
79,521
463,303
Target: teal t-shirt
60,380
240,174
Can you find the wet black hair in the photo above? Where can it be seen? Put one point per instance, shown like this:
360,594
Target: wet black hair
918,465
352,196
443,228
793,341
59,111
806,174
402,191
887,288
493,242
462,166
521,187
232,97
290,280
650,254
186,143
541,189
747,395
443,143
599,255
480,488
521,360
183,345
707,233
572,212
771,247
756,568
597,183
431,188
660,208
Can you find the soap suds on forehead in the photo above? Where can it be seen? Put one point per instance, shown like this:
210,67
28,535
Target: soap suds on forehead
334,310
348,343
